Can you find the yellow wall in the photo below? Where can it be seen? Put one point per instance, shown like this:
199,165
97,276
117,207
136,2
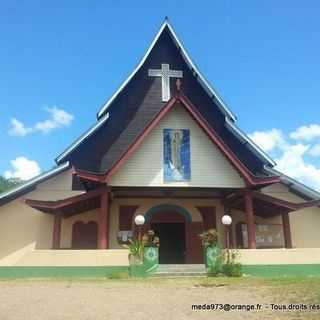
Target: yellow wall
67,223
23,228
209,167
304,223
279,256
120,257
75,258
58,187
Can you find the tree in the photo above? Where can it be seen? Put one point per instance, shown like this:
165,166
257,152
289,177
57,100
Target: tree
6,184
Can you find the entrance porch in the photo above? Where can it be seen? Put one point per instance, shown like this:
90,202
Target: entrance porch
103,218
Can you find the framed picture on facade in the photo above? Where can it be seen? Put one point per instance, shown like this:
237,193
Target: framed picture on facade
176,154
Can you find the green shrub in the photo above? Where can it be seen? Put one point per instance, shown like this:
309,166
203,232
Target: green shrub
226,264
214,271
150,239
232,269
209,238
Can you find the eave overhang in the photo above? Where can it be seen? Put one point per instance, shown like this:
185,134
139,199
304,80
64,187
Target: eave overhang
266,205
69,206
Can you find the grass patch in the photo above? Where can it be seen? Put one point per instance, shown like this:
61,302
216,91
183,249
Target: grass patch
118,276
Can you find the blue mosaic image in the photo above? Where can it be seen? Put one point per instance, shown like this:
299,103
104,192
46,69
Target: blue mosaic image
176,154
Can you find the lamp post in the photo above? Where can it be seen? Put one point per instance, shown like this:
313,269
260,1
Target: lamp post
139,221
226,221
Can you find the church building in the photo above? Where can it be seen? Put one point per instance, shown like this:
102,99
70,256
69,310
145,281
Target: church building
165,146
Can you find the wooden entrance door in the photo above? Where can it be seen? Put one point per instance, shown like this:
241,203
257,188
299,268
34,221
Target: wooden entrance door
172,242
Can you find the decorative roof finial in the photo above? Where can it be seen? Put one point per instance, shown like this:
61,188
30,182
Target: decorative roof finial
178,84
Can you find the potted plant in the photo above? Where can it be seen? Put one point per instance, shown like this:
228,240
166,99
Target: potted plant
151,251
135,247
209,240
135,251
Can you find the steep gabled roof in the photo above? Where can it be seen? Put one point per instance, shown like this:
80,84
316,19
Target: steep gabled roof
243,142
202,80
82,138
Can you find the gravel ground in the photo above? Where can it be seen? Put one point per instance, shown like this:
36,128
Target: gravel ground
128,299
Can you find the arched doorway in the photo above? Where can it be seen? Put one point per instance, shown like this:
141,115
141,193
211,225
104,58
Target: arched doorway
171,224
84,235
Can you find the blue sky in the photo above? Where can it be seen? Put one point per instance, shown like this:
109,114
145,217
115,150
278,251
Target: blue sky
60,61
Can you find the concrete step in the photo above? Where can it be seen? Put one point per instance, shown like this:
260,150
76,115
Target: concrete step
178,274
181,267
180,270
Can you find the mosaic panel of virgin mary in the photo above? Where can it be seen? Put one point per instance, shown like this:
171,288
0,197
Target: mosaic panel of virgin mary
176,154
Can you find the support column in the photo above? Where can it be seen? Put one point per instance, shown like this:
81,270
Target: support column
231,241
250,220
286,230
56,236
103,225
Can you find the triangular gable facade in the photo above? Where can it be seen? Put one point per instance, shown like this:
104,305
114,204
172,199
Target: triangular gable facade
209,167
139,100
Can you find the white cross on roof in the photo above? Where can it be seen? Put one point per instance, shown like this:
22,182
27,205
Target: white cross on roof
165,73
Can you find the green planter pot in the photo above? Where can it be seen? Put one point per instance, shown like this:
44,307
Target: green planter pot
210,255
136,268
151,259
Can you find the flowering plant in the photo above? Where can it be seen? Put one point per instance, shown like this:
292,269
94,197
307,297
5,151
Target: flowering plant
150,239
209,238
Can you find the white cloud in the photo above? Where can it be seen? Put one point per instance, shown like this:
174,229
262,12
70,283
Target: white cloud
58,118
306,133
22,168
315,150
291,157
17,128
293,164
268,140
